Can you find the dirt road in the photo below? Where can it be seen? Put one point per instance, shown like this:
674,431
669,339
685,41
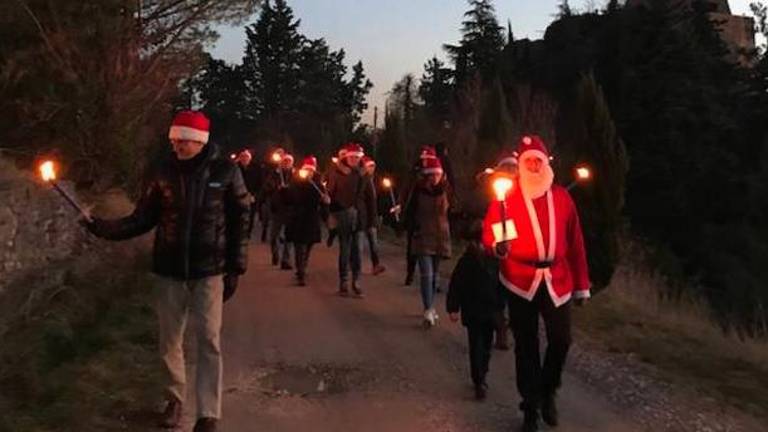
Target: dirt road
303,359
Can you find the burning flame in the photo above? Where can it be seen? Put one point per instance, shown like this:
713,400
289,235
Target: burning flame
335,160
48,171
276,157
501,186
386,182
233,156
304,174
489,171
583,173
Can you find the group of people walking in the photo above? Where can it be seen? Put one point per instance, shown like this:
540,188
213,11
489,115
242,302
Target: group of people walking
525,257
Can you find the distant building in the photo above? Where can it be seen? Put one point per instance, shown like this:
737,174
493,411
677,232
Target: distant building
738,32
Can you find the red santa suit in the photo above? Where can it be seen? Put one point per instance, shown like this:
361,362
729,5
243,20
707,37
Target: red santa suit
544,237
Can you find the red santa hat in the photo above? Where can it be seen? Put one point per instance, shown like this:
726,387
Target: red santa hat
428,152
309,163
191,126
368,162
353,149
532,145
431,166
288,158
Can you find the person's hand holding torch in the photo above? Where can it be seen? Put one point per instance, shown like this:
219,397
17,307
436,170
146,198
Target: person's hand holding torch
387,183
48,174
501,186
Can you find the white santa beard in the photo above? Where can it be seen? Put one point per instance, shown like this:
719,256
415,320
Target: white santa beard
535,185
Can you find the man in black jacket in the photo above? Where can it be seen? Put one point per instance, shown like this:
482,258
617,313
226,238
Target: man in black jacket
200,206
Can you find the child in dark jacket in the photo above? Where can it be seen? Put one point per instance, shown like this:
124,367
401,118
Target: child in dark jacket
475,292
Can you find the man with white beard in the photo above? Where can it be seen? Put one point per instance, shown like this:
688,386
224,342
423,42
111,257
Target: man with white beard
543,265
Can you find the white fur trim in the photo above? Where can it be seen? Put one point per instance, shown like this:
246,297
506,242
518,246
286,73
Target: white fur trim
188,133
538,153
512,287
358,154
428,171
582,294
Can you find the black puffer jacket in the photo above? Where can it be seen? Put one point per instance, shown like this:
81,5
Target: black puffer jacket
201,215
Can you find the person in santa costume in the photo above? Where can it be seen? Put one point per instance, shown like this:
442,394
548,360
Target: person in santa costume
199,203
543,265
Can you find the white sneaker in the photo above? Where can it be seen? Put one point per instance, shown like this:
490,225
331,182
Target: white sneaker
430,318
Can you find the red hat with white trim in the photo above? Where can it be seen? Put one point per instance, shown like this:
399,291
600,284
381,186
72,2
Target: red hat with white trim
431,166
190,126
353,149
309,163
368,162
532,145
428,152
288,158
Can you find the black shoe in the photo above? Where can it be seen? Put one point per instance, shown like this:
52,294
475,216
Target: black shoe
206,424
301,281
549,411
275,260
408,280
286,266
530,421
481,391
171,416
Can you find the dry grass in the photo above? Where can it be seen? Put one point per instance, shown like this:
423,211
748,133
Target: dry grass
679,339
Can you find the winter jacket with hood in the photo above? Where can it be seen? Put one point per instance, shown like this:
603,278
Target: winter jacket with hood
474,289
201,211
427,219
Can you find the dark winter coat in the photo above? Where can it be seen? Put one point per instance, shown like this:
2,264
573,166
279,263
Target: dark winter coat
274,191
474,289
349,190
427,220
367,204
305,211
201,215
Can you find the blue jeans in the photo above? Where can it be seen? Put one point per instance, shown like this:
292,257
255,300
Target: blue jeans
429,266
350,240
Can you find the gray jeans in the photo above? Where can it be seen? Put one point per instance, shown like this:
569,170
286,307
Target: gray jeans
349,244
200,301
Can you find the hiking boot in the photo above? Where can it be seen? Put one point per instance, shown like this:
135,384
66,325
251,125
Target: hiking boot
379,269
530,421
205,424
549,411
171,416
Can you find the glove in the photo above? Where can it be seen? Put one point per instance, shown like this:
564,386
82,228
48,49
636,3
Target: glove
502,249
230,285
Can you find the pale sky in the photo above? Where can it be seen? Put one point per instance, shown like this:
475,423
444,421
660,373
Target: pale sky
395,37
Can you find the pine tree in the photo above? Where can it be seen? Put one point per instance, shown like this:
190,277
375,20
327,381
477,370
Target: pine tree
482,41
436,89
595,142
270,64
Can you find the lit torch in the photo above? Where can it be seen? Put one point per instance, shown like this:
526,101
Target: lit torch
387,183
307,175
48,174
277,158
501,186
583,174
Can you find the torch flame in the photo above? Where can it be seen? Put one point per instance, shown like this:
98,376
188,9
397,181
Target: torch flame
48,171
335,160
386,182
489,171
304,174
233,156
583,173
501,186
276,157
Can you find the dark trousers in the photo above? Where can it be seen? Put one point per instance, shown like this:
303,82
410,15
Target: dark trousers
302,252
254,212
534,379
373,245
480,340
410,258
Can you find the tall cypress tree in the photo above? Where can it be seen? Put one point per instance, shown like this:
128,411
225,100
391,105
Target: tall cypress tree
481,42
436,88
